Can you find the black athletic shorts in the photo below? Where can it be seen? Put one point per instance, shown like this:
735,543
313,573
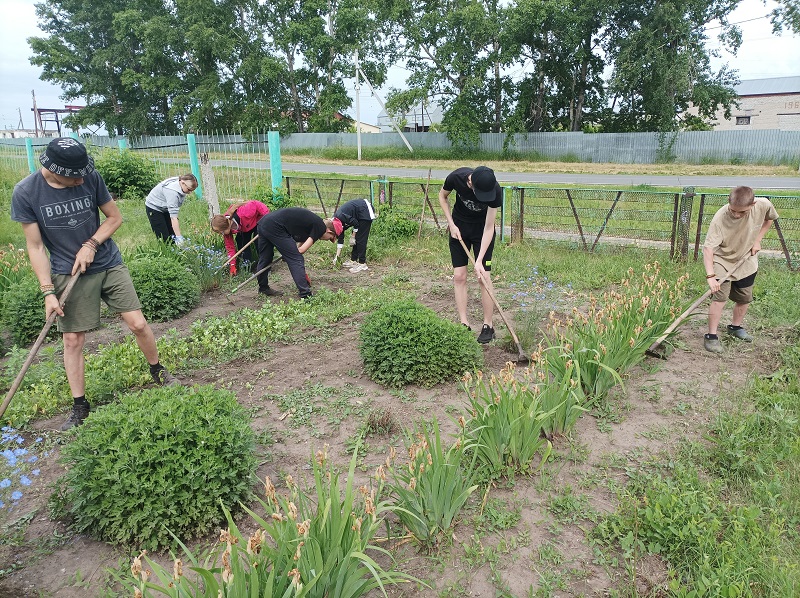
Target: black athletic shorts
471,233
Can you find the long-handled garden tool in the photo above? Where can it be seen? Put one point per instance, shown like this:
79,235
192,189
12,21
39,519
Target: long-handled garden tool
521,358
269,267
652,349
37,345
235,255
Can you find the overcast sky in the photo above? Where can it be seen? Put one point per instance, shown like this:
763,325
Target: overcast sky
762,55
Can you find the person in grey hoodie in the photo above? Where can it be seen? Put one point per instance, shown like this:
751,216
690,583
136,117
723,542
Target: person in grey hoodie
164,202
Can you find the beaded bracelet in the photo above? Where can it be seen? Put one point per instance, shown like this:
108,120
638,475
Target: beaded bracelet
711,275
46,293
47,287
90,246
95,241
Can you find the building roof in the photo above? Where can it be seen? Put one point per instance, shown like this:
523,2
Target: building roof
775,85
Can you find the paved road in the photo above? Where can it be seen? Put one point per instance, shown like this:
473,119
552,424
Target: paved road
549,178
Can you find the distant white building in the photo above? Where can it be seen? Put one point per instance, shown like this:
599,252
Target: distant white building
367,128
764,104
20,133
419,119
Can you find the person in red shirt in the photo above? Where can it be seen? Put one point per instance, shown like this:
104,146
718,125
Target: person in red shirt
239,219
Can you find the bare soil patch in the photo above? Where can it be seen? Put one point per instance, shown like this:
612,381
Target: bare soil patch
663,404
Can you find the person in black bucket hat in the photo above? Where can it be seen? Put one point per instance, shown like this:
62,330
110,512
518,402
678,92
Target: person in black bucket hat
478,196
59,208
67,157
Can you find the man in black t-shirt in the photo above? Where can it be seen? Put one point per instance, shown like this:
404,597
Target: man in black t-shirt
478,196
283,229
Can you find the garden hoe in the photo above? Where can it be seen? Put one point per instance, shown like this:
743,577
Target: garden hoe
268,268
652,351
38,344
521,358
230,259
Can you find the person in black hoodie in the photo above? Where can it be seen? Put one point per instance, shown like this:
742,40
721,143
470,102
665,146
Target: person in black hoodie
358,214
284,229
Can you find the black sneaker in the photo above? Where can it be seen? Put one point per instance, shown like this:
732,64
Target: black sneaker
162,377
79,413
270,292
467,326
486,335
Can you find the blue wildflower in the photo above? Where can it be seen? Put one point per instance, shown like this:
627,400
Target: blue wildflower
5,483
33,459
25,480
16,495
35,472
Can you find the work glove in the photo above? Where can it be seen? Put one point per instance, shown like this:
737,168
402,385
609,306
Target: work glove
181,241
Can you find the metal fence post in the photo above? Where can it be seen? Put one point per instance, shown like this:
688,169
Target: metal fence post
31,160
681,244
275,167
194,162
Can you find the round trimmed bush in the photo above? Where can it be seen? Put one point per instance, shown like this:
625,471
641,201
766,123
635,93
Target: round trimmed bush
404,342
22,311
166,288
162,460
126,174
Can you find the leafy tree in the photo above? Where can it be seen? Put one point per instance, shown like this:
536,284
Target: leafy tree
787,14
561,39
661,64
454,54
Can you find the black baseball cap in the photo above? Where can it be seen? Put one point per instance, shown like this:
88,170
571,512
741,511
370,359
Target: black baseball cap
67,157
484,184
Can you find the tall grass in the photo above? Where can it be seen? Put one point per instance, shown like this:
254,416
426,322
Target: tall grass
724,513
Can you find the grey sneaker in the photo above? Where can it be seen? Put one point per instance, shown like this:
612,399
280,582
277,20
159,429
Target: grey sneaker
486,335
712,344
79,413
349,263
740,333
162,377
358,268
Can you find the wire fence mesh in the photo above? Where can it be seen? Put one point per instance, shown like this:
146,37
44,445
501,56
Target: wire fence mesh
672,221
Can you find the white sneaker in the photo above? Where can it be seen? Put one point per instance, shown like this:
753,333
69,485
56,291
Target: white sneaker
349,263
358,268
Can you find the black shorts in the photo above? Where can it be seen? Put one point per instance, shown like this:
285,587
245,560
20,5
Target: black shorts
471,233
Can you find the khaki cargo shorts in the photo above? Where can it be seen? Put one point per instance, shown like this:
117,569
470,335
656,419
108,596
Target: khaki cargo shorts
738,291
82,309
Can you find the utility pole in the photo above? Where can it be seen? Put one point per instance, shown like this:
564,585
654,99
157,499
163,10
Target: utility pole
358,110
391,120
36,121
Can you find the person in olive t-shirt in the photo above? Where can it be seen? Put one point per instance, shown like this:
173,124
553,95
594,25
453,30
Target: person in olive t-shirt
478,196
736,230
59,208
283,229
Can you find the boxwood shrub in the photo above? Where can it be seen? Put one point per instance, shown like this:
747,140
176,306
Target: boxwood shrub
126,175
22,311
166,288
165,459
404,342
